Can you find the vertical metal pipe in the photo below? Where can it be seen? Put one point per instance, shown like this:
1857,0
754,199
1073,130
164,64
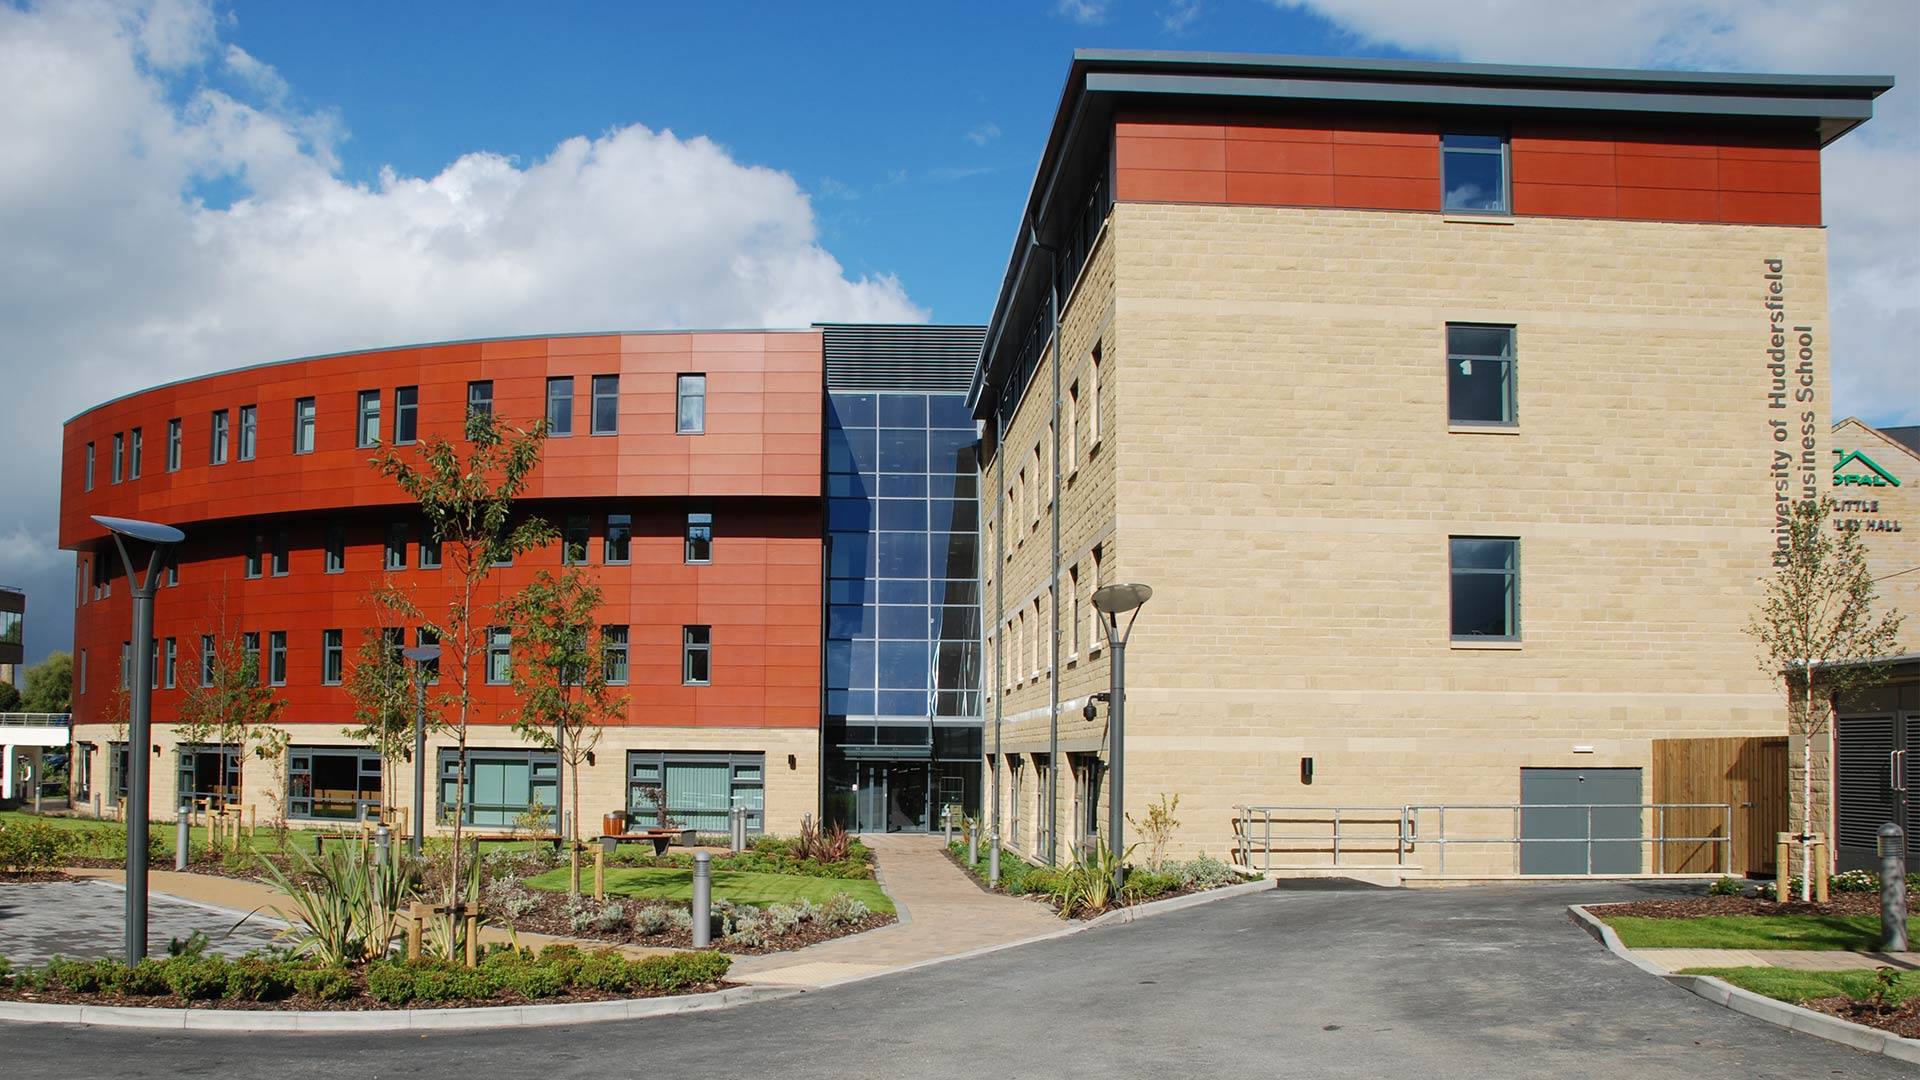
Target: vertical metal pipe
420,763
1116,786
999,623
139,754
1053,579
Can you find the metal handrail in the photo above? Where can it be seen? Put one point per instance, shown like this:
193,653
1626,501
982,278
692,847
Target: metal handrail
1252,820
36,719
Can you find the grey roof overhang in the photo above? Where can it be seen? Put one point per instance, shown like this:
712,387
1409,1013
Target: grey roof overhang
1099,81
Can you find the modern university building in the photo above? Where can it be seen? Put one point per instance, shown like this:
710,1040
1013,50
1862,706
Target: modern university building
1447,410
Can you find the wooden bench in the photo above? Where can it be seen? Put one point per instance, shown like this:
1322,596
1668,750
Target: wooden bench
659,838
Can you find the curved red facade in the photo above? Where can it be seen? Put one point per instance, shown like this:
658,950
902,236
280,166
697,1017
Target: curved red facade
755,468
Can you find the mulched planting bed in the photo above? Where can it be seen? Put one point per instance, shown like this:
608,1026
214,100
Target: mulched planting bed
1902,1019
11,877
1693,907
1047,901
359,1003
548,918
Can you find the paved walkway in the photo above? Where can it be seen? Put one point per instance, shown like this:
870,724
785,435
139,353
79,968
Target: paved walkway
1796,959
942,913
84,920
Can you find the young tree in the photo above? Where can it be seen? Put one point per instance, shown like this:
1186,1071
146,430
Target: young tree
1819,635
384,701
235,706
49,685
560,675
467,498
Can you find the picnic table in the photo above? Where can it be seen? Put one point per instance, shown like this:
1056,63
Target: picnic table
659,838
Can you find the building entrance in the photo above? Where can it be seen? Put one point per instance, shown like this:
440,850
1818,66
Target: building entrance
891,796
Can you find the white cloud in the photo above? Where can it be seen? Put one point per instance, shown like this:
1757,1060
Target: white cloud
114,276
984,134
1179,14
1871,178
1084,12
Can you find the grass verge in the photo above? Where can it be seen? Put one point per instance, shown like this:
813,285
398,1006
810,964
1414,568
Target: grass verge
739,886
1752,932
1784,984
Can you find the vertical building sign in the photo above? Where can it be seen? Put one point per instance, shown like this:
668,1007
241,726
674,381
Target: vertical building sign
1792,422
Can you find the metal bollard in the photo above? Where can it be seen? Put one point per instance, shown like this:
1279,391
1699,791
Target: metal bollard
1893,888
993,859
382,845
973,847
181,838
946,823
737,828
702,900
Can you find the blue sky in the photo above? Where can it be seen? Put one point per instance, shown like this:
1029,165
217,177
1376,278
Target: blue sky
194,185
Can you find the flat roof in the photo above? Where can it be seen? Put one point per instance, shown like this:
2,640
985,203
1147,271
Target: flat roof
1099,80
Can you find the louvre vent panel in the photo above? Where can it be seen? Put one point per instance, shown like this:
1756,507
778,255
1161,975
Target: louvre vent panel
907,359
1865,800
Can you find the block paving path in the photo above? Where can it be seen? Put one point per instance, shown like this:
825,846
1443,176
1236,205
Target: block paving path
943,913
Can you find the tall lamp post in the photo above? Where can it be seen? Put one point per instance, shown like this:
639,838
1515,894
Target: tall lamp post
1112,602
421,657
160,539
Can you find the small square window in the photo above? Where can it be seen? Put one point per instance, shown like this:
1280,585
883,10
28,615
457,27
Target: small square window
1486,587
1480,375
1473,173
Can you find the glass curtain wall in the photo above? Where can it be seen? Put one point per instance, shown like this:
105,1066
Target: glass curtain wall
903,610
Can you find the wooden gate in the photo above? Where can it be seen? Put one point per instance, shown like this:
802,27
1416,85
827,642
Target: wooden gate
1749,774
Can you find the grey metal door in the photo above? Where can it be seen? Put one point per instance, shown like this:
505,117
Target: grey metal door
1874,739
1580,821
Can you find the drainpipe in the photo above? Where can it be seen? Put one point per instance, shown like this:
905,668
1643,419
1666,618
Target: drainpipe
1053,580
999,617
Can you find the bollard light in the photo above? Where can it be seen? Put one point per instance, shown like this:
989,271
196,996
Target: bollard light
1892,844
181,837
382,845
702,900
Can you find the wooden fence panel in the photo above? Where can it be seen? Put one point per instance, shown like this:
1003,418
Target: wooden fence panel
1749,774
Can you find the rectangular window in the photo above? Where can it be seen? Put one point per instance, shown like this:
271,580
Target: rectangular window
119,455
1071,452
256,555
1480,384
82,772
699,538
480,397
305,419
697,788
574,540
89,477
690,418
336,559
618,546
696,659
606,404
280,553
613,644
333,657
429,548
424,636
406,415
277,658
249,431
134,445
367,428
1086,797
1473,173
173,445
560,405
502,785
1486,587
206,660
1094,634
333,783
83,671
1093,399
209,774
499,655
1073,611
250,656
153,663
396,546
126,665
173,568
172,662
217,441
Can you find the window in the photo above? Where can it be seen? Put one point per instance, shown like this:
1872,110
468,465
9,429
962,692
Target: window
249,431
1486,587
134,444
280,553
172,662
613,644
367,429
119,454
698,788
618,546
336,557
406,415
209,774
1473,173
502,785
153,663
217,442
396,546
277,658
429,548
82,772
117,767
1037,486
574,540
333,657
480,397
606,404
250,656
89,477
334,784
560,405
499,655
256,551
691,416
173,445
1480,375
83,671
1094,635
700,538
1086,796
1071,452
427,636
1073,611
206,659
1093,400
304,419
1014,772
173,567
696,660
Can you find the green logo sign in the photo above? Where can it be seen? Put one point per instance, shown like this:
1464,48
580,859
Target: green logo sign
1869,473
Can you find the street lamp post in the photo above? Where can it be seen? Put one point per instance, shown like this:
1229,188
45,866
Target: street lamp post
161,539
421,657
1112,602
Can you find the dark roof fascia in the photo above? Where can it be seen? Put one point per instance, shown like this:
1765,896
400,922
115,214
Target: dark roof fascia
1098,79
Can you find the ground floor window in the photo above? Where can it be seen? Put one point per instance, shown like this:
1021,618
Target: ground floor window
699,788
1014,787
1042,828
117,770
502,785
209,774
80,777
333,783
1086,797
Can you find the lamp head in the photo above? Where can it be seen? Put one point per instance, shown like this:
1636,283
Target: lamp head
423,654
1120,599
150,531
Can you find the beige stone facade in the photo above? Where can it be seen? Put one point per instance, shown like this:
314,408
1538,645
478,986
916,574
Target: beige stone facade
1879,498
1275,460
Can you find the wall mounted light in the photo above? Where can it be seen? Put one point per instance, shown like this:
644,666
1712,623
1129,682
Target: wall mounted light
1306,770
793,762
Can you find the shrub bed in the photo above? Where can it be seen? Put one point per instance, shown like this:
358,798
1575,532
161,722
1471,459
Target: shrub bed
737,928
1063,887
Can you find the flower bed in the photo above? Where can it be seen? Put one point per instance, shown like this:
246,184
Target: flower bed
505,976
738,928
1065,888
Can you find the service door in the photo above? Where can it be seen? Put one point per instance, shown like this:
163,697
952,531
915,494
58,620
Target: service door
1580,821
1874,739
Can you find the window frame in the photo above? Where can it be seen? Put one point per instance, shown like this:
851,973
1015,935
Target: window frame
620,524
367,416
175,443
479,399
119,456
280,562
136,444
1455,571
334,560
689,386
617,645
696,640
306,425
333,657
218,432
276,658
394,555
248,436
92,454
499,642
746,776
559,382
256,557
300,789
1503,153
543,772
407,413
610,394
1512,384
580,527
695,523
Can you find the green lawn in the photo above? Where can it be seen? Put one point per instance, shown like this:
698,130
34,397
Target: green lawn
1753,932
264,839
1786,985
739,886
